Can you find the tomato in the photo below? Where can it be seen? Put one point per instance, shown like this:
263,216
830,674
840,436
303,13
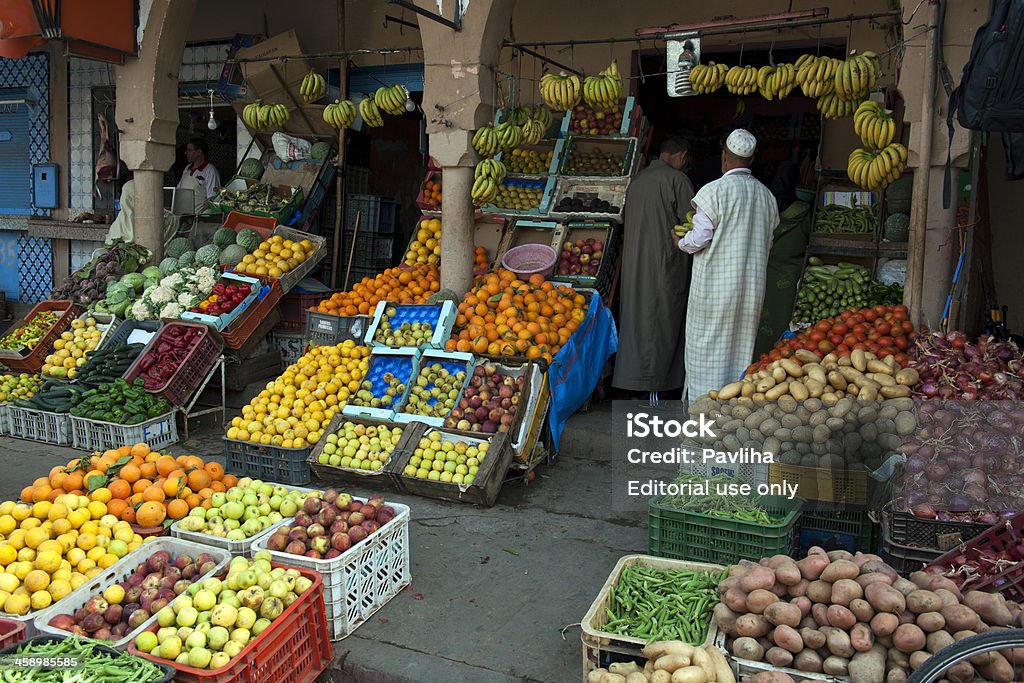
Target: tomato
775,354
902,343
787,352
823,326
811,346
860,328
840,328
882,327
842,349
825,346
896,331
817,336
849,340
835,338
879,309
902,358
873,337
870,315
860,345
907,326
886,342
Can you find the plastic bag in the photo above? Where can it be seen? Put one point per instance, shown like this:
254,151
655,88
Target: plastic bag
893,272
290,148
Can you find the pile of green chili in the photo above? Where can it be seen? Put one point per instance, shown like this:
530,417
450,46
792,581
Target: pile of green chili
656,604
93,664
742,508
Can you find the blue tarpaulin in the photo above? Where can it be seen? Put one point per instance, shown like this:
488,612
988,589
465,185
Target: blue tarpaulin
577,368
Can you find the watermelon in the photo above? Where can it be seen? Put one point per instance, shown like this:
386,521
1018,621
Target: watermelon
897,227
187,259
248,239
320,150
232,254
251,168
223,237
208,255
178,246
168,266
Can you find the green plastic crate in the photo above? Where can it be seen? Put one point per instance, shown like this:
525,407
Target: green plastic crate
853,530
685,535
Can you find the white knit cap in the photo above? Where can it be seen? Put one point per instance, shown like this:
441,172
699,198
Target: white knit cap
741,143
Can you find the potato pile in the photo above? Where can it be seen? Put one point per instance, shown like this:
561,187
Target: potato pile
812,433
670,661
860,375
853,615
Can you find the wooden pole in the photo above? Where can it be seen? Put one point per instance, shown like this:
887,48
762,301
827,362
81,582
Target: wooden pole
352,249
340,182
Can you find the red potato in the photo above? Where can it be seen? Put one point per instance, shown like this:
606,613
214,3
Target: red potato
740,569
844,555
862,609
885,598
726,585
991,607
896,675
813,638
819,612
865,580
809,622
836,666
997,669
937,640
725,619
960,618
897,658
770,677
945,583
861,637
930,622
780,590
838,643
747,648
816,550
948,599
788,639
905,586
786,571
921,579
840,617
877,566
809,661
757,577
758,600
907,617
783,614
798,589
736,600
820,591
778,656
804,604
884,624
868,667
921,601
918,658
812,566
845,591
908,638
961,673
840,569
752,625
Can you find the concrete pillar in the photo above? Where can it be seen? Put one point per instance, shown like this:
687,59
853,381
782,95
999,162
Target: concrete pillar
457,230
147,113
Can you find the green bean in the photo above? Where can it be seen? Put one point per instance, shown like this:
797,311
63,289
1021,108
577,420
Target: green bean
742,508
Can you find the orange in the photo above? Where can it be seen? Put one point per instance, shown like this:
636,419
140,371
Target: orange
153,493
119,488
72,482
148,469
54,494
215,470
150,513
57,479
199,479
174,484
193,461
41,492
140,450
128,514
193,500
141,485
165,464
117,506
131,473
218,486
27,493
176,509
94,480
124,450
41,481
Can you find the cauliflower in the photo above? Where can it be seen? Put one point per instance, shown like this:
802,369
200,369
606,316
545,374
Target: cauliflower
172,281
161,294
140,310
171,310
187,300
206,278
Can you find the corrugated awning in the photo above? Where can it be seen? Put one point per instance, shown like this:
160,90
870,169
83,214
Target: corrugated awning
103,30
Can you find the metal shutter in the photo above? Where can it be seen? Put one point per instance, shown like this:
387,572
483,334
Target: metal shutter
364,80
15,169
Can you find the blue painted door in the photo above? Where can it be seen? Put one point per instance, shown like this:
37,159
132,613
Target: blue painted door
15,168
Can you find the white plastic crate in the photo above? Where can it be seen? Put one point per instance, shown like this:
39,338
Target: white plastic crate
5,427
94,435
441,317
595,641
754,473
364,578
744,668
119,572
384,360
39,425
465,360
234,548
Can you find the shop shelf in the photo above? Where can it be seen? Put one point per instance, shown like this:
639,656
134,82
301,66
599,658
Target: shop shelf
166,669
293,649
630,111
364,578
624,150
399,362
5,420
120,572
694,536
440,316
453,362
327,329
191,371
24,360
95,435
269,463
39,425
598,645
1000,537
221,322
555,147
606,232
293,204
385,477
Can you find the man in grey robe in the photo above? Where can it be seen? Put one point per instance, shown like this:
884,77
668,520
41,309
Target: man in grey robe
655,276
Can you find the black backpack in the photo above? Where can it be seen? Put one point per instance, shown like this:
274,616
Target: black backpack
990,96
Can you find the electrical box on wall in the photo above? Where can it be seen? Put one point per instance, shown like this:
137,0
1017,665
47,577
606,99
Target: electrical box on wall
44,186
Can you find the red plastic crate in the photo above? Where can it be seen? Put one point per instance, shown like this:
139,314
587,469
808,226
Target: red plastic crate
193,369
998,538
11,632
32,363
240,330
294,649
239,221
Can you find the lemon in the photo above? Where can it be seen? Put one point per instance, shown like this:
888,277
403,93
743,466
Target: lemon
118,547
77,580
59,589
57,511
114,594
21,512
75,555
36,580
86,541
85,565
7,506
41,509
26,554
8,554
9,583
93,573
17,604
7,524
125,534
21,569
47,561
62,574
96,553
97,508
41,599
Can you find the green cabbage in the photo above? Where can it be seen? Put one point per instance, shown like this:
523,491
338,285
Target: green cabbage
152,272
135,280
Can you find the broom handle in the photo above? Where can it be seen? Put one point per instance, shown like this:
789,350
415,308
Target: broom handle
352,249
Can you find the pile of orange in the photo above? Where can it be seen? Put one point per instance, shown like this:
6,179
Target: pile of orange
432,193
137,485
505,316
481,262
404,285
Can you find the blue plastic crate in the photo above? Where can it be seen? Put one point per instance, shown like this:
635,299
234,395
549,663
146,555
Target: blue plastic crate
441,318
453,362
399,362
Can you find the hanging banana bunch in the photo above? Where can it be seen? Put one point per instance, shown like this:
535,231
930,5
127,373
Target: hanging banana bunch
533,131
487,176
874,126
560,92
741,80
603,91
816,75
856,76
340,114
509,135
259,116
520,115
875,170
485,141
542,115
313,87
251,115
776,82
370,113
707,78
391,100
833,108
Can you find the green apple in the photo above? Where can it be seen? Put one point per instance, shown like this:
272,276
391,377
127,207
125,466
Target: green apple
219,660
217,636
165,617
251,527
184,632
274,518
249,499
187,616
289,508
266,489
246,618
278,589
263,555
244,482
233,509
205,600
230,524
265,508
218,499
252,512
213,584
165,633
183,601
260,625
275,502
196,639
232,648
170,648
204,624
234,495
198,511
199,658
281,491
241,635
224,615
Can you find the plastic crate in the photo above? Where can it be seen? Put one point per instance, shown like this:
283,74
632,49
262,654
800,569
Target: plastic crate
906,528
233,548
547,187
489,478
269,463
293,649
335,475
327,329
124,330
220,322
362,579
748,668
239,221
295,307
694,536
904,558
290,346
95,435
851,530
606,232
242,329
192,370
623,149
167,669
453,362
849,487
39,425
5,420
555,147
399,362
629,114
11,633
612,191
440,316
432,176
598,644
119,572
998,538
293,277
32,361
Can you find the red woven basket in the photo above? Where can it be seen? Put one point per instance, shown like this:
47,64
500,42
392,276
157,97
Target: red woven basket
1004,536
192,370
